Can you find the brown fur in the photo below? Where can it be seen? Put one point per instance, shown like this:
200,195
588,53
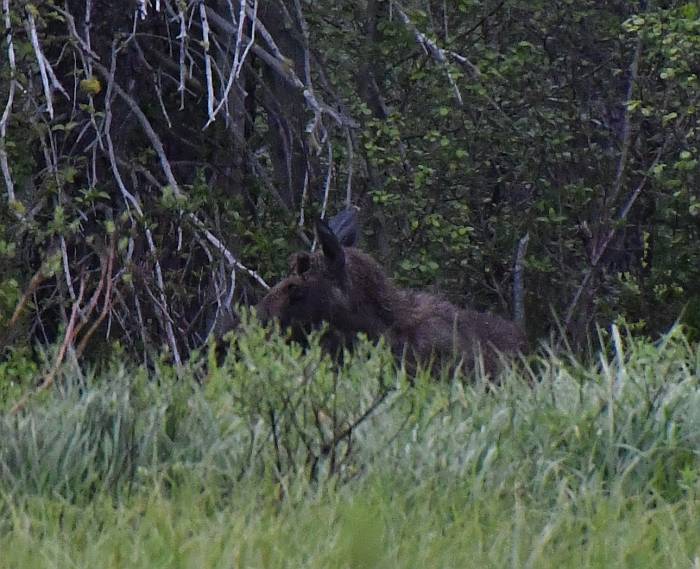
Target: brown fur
354,295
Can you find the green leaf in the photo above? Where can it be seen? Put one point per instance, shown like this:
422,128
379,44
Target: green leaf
690,11
668,117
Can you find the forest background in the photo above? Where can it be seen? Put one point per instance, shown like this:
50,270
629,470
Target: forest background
161,158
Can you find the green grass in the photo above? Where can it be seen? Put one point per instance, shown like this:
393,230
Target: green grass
379,523
279,461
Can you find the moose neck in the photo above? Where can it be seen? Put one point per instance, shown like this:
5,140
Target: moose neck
375,300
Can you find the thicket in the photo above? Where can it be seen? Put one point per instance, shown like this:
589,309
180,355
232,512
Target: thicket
160,159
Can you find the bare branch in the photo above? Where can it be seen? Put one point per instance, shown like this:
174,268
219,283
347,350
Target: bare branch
282,67
84,44
270,41
66,269
626,130
4,164
329,174
145,125
107,303
71,330
163,300
41,61
238,58
518,284
159,93
183,48
207,60
430,48
440,55
304,193
239,36
225,252
608,202
348,188
127,195
55,83
39,277
86,30
603,245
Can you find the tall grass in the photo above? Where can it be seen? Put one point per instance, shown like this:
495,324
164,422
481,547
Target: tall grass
278,458
377,522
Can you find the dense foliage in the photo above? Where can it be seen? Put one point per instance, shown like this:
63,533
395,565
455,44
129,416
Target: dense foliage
160,161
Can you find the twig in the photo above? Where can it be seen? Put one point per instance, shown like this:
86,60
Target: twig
208,234
315,122
253,26
207,60
142,325
34,38
378,400
305,36
55,83
441,55
304,192
430,48
626,131
231,289
87,24
518,283
155,141
329,174
163,300
126,194
71,330
284,70
348,187
107,303
238,58
4,164
603,245
225,252
159,93
326,191
39,277
182,36
145,125
92,303
478,24
66,268
269,40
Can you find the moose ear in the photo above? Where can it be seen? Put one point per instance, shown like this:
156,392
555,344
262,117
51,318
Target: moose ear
332,249
345,226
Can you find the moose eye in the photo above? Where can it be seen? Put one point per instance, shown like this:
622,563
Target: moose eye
294,292
301,263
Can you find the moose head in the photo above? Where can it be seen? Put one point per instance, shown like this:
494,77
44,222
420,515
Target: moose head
324,287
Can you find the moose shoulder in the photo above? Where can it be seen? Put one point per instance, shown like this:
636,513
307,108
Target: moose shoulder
348,290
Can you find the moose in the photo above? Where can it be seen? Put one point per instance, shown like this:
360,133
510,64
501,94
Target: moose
346,290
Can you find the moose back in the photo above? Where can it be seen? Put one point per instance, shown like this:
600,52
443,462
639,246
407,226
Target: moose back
346,289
